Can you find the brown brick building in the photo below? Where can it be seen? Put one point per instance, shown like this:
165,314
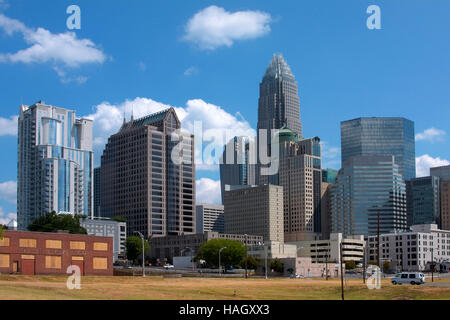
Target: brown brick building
39,253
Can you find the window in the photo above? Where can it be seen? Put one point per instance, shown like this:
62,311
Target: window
4,242
53,262
77,258
100,263
27,243
4,260
404,276
53,244
100,246
412,276
77,245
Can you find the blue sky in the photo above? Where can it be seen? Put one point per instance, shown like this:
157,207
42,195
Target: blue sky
178,53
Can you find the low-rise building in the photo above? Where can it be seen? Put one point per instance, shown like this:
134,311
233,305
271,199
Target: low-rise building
40,253
274,250
412,250
304,266
106,227
321,251
170,246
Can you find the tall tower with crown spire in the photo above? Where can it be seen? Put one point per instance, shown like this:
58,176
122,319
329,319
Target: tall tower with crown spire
279,104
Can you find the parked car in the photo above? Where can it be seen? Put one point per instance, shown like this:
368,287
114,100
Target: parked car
168,266
409,277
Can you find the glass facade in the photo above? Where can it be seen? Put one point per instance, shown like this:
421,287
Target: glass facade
329,175
381,136
55,166
368,189
279,105
423,196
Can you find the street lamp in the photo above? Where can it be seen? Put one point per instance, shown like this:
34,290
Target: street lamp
265,251
220,267
143,252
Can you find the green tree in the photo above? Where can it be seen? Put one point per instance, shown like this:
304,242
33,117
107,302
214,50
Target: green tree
134,248
119,219
231,256
386,265
1,231
52,222
252,263
276,265
350,265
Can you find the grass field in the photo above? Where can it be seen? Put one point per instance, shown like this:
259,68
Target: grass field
123,288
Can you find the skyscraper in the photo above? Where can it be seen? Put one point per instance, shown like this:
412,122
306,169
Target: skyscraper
55,163
210,218
236,168
423,199
279,104
381,136
367,187
142,182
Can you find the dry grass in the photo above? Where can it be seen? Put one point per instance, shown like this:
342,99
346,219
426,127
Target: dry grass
154,288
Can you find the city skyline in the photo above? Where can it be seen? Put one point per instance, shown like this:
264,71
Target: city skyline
205,72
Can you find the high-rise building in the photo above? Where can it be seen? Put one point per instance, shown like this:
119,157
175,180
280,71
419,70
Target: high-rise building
255,211
325,208
148,177
423,201
210,218
329,175
279,104
368,188
236,167
441,172
55,163
381,136
445,204
300,175
97,192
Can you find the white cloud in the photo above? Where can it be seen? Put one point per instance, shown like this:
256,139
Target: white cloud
330,156
431,135
208,191
60,49
190,71
425,162
6,218
142,66
214,27
8,191
8,127
216,122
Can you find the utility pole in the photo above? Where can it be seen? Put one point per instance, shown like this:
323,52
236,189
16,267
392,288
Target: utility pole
432,264
246,256
220,266
378,239
364,265
326,264
342,272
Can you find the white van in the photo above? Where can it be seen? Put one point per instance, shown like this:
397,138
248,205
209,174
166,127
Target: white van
409,277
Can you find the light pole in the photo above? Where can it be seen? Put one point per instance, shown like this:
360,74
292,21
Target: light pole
246,255
143,252
265,253
342,273
432,264
220,266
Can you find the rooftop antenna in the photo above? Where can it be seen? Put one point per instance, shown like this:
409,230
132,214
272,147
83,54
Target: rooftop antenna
132,116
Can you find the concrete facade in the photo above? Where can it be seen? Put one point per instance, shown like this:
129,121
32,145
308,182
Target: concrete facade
39,253
105,227
149,178
321,251
210,217
255,211
412,250
304,266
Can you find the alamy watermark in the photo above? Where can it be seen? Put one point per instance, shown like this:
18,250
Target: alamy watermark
74,280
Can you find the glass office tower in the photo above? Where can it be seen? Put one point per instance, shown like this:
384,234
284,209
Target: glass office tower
368,187
423,196
55,163
279,105
381,136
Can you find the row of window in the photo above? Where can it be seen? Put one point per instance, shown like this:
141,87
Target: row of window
55,262
55,244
